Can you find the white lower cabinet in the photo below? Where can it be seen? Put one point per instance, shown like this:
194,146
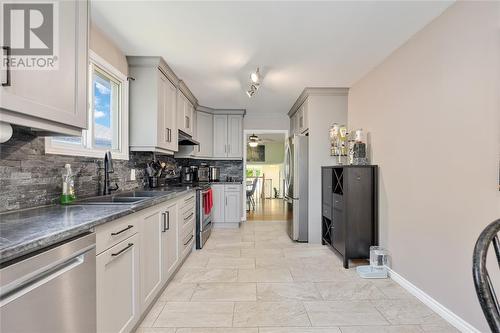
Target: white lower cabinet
170,240
118,307
227,203
137,255
151,255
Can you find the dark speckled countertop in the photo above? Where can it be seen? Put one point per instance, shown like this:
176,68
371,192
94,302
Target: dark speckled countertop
25,231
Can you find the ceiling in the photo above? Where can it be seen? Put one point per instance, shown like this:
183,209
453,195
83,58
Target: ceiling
214,46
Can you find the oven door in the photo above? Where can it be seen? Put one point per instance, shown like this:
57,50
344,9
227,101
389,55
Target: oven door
204,219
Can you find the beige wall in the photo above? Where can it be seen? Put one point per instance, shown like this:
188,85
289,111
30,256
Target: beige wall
267,121
105,48
432,111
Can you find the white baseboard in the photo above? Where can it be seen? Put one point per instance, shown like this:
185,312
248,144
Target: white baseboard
437,307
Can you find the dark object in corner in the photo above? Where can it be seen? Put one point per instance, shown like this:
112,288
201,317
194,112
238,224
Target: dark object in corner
350,210
484,288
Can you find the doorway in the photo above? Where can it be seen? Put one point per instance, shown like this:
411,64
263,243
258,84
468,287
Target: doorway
264,175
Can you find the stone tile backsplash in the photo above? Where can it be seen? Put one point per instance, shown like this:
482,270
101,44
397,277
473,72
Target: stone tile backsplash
29,177
233,168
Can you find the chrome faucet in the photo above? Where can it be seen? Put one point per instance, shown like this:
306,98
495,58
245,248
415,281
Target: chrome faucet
108,168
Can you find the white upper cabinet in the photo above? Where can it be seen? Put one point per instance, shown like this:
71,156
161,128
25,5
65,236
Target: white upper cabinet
235,136
52,100
185,109
220,136
228,136
153,101
204,134
302,118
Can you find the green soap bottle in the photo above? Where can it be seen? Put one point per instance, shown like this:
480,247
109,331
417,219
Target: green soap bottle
68,186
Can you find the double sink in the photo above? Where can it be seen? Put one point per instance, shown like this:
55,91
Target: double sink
127,198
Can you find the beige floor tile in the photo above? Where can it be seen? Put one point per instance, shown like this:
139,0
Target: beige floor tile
262,253
392,290
211,275
232,263
177,291
217,330
298,252
382,329
239,245
264,275
196,314
150,318
401,312
155,330
225,292
349,290
299,330
299,291
277,262
256,314
442,328
224,253
318,274
343,313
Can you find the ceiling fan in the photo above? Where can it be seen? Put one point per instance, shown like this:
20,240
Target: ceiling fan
254,140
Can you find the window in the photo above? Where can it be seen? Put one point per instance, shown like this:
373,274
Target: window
107,116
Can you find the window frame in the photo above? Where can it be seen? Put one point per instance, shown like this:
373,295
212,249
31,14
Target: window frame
87,149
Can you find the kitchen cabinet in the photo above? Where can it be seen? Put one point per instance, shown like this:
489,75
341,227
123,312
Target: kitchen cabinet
228,136
349,214
53,101
219,199
204,134
170,237
117,271
227,203
153,106
185,113
299,121
233,202
151,255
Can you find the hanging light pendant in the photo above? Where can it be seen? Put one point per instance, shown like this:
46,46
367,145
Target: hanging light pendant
253,140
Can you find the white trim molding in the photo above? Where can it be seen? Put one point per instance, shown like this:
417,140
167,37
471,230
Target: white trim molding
448,315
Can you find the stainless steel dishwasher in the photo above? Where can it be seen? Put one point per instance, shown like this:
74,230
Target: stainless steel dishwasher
51,291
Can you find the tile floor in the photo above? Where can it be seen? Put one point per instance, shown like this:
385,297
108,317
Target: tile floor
255,280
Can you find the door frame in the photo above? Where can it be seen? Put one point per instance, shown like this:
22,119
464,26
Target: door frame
246,132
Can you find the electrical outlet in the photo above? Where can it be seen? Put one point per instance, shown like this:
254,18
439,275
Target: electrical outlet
132,174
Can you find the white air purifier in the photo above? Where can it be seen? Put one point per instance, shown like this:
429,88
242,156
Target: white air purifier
377,268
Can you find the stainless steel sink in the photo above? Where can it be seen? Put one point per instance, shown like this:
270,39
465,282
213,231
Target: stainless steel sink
111,200
140,194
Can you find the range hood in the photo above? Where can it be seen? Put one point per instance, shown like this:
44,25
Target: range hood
187,140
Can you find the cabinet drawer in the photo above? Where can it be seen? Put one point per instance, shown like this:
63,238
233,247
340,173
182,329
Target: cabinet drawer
232,188
187,217
187,228
112,233
187,243
187,210
187,201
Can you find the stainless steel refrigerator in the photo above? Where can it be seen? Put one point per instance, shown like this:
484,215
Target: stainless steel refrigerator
296,187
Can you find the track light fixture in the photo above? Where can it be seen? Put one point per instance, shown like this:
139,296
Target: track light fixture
254,83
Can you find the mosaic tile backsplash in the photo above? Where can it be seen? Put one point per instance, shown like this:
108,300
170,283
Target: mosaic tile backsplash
30,178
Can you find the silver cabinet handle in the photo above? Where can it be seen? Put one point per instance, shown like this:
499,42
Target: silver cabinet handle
7,50
122,250
166,221
189,217
123,230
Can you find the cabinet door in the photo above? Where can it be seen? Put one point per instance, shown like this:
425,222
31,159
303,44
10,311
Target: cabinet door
117,273
326,186
170,247
338,225
232,206
181,106
188,118
220,136
305,117
219,203
56,95
235,136
151,258
204,134
169,113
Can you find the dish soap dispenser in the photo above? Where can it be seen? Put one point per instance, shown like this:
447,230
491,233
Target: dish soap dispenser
68,186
